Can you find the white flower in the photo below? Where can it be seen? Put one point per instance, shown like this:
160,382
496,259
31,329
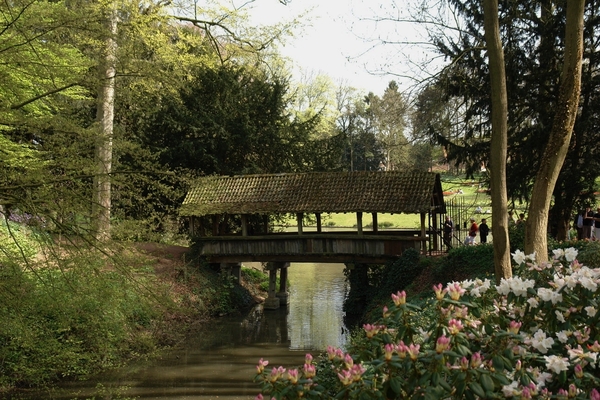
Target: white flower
591,311
570,254
516,285
559,316
518,257
531,257
479,287
563,336
542,378
549,295
424,334
540,342
533,303
588,283
556,364
511,390
558,253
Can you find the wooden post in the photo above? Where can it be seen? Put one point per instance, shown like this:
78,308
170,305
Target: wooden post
359,224
272,302
423,234
318,215
375,226
283,294
436,237
266,223
215,225
244,225
299,218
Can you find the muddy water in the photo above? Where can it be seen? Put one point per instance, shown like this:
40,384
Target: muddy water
219,363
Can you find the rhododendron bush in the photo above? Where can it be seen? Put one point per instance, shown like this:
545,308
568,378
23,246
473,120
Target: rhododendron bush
533,336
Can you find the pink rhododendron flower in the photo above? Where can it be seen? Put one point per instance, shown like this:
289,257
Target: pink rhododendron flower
388,351
345,377
357,371
402,349
309,370
442,344
399,298
293,376
455,291
261,365
413,351
455,326
514,327
439,292
348,361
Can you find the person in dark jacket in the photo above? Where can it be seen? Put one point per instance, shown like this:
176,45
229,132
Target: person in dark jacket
484,230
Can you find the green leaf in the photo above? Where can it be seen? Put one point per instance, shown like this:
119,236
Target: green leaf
502,379
396,384
460,386
477,389
435,378
498,363
445,384
486,382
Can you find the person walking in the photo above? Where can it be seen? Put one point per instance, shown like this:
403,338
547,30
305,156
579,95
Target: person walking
597,224
470,239
448,231
588,223
484,230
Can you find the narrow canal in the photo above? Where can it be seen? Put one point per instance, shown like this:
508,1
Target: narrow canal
219,362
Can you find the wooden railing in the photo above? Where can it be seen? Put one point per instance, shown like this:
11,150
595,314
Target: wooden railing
346,247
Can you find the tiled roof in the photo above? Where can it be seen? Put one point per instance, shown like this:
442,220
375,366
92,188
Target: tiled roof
323,192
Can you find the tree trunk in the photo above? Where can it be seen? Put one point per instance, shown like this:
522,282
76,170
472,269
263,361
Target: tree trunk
498,147
536,226
105,116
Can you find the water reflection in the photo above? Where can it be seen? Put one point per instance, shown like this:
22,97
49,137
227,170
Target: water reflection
219,362
316,315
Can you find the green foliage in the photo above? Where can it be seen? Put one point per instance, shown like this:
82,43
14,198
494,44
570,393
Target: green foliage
588,251
534,336
534,50
258,278
399,274
69,322
465,262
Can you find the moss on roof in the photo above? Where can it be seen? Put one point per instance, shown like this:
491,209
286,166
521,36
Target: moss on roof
316,192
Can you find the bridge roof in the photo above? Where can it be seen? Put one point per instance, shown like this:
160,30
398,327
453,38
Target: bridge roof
316,192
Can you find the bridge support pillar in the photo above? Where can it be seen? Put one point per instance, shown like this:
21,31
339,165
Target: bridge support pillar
283,294
274,298
235,270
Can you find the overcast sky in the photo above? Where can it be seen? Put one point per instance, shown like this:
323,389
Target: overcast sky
335,42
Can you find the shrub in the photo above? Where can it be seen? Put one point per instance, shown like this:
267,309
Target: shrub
466,261
533,336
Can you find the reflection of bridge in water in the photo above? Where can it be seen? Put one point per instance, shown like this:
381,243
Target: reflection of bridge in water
230,219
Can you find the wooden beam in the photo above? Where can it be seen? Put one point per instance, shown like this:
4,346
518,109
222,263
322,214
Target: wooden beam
299,218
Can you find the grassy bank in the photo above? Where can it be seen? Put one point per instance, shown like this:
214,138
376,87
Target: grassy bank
71,309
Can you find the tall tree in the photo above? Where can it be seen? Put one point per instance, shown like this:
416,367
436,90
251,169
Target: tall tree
533,36
502,264
560,135
390,112
101,201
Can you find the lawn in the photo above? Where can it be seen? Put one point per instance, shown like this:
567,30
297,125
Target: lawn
466,194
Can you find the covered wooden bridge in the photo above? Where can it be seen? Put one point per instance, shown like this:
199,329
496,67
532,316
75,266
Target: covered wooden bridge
232,217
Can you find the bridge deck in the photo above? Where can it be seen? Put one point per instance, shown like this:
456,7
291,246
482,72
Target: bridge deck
370,247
